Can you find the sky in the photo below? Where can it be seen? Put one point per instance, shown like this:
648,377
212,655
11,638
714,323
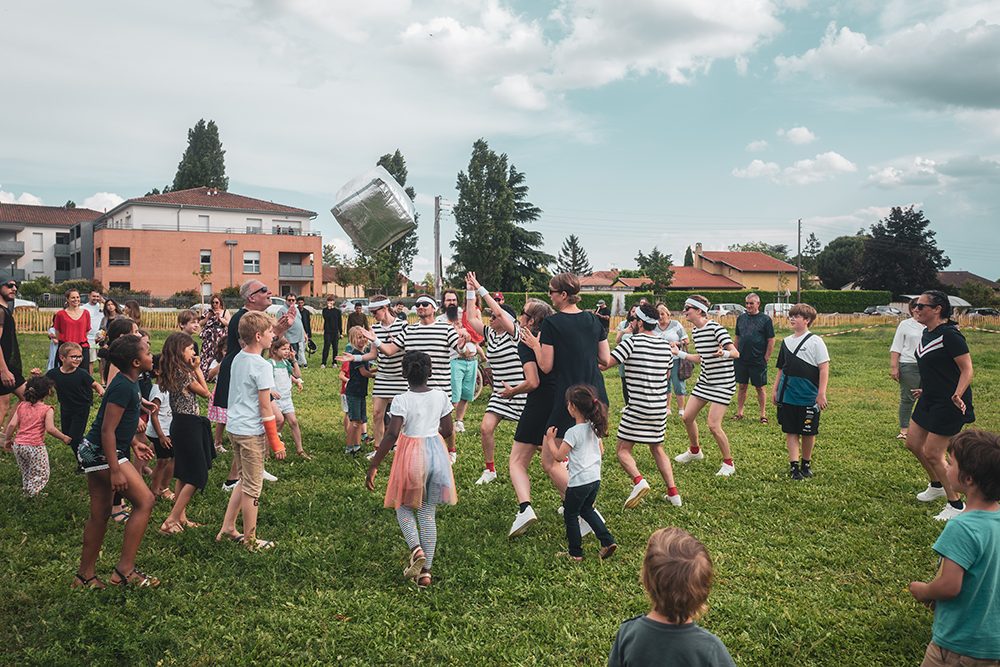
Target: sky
637,123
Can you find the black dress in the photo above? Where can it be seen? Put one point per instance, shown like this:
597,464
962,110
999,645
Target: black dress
939,376
191,436
537,406
574,338
11,353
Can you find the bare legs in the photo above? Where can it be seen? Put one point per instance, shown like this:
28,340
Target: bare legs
931,450
716,412
741,398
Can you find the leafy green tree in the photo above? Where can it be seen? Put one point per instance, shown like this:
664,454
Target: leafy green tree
813,248
978,294
573,258
204,162
901,254
778,250
656,266
70,204
840,262
688,257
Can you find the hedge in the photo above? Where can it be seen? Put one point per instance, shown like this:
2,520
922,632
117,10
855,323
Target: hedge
824,301
588,300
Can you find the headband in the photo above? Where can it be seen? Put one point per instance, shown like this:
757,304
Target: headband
644,317
694,303
378,304
426,300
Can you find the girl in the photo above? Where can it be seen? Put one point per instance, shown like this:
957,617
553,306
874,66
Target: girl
903,367
133,311
286,372
464,364
32,420
421,476
103,455
673,331
190,433
716,383
584,441
216,414
158,434
121,326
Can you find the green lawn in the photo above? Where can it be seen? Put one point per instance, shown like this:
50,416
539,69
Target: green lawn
809,573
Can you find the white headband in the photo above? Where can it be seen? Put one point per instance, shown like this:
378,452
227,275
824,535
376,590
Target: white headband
378,304
696,304
427,300
644,317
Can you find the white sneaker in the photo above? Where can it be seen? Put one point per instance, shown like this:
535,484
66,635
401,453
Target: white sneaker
948,512
638,491
687,456
560,510
487,477
522,522
459,427
680,413
674,500
322,365
229,486
370,455
726,470
269,477
930,493
453,456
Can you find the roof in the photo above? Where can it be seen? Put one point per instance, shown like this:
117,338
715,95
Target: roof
750,261
634,283
959,278
599,279
48,216
212,198
688,277
330,275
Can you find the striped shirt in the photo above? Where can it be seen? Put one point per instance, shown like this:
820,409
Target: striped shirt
436,339
501,350
389,380
647,362
717,380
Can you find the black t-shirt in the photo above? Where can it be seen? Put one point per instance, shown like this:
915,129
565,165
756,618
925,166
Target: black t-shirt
8,342
604,311
357,385
753,332
574,338
545,381
332,321
221,398
936,360
124,392
75,390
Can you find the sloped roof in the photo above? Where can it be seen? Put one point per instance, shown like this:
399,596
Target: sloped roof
599,279
48,216
959,278
634,283
749,261
214,199
688,277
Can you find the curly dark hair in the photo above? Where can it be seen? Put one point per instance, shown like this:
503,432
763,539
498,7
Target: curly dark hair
416,367
124,351
37,388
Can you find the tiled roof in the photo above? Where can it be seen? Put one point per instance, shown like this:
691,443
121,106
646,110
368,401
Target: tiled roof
217,199
749,261
50,216
959,278
688,277
634,283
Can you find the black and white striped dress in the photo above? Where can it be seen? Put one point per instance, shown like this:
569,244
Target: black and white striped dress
647,362
717,380
389,380
436,339
501,350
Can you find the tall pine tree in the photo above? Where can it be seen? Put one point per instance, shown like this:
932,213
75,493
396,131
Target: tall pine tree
901,254
573,258
204,162
688,257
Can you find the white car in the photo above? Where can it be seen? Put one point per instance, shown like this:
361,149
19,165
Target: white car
773,309
24,303
722,309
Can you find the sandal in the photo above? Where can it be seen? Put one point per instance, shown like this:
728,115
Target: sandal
259,545
92,582
134,578
737,418
900,436
303,454
417,562
171,529
607,552
166,494
763,420
232,537
120,517
187,523
424,580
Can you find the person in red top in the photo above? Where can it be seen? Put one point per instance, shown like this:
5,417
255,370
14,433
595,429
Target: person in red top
72,323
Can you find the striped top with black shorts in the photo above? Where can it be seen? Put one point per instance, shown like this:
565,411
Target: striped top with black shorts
717,380
647,362
389,380
501,351
436,339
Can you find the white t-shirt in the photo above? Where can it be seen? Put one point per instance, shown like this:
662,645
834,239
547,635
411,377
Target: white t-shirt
907,339
585,459
165,415
813,351
249,374
421,412
96,317
674,333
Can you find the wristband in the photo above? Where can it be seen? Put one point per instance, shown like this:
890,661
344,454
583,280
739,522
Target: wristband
358,358
681,354
726,354
470,295
482,291
376,343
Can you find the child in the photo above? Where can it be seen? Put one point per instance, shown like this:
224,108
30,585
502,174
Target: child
286,372
32,420
421,477
103,454
965,594
189,322
800,388
677,576
357,391
75,390
252,428
158,434
584,441
217,415
190,433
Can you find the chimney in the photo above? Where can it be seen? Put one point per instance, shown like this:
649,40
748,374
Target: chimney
697,255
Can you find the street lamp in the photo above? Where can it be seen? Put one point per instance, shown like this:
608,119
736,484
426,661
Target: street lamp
231,244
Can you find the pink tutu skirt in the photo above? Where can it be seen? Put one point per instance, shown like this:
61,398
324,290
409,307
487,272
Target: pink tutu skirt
216,415
421,470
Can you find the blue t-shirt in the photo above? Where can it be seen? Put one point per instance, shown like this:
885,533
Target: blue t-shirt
124,393
969,623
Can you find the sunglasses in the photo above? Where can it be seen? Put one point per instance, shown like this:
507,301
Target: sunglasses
262,290
10,285
921,306
424,304
555,291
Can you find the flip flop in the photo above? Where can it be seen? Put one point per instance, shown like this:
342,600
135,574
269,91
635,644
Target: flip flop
135,578
171,529
229,536
192,524
92,582
737,418
260,545
120,516
763,420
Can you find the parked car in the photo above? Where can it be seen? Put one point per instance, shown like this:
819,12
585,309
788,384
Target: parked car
722,309
348,305
24,303
279,302
889,311
983,312
774,309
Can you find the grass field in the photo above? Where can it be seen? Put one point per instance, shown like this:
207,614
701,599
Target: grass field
810,573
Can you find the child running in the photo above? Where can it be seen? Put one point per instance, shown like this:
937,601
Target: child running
421,477
75,389
677,575
286,373
32,419
584,442
103,454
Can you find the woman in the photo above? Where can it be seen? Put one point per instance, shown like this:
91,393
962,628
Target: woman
944,400
903,367
111,313
72,323
716,383
133,311
214,327
673,331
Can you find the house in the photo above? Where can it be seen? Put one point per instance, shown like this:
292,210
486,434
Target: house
333,288
160,243
34,240
686,278
957,279
691,279
753,270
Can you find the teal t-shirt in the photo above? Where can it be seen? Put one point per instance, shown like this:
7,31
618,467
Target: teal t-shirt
642,641
969,623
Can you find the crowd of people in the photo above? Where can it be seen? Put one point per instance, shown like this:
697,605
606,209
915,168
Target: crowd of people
546,371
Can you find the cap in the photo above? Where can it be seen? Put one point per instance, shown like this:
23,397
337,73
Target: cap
600,302
498,295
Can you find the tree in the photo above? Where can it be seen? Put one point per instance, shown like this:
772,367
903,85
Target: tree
778,251
203,163
573,258
813,248
70,204
656,267
901,254
840,262
688,257
978,294
528,267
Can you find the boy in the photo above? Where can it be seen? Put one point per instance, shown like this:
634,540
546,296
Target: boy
188,322
800,388
75,389
677,576
356,392
251,426
965,594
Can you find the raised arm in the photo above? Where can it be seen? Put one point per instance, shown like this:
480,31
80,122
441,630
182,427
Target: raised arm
505,323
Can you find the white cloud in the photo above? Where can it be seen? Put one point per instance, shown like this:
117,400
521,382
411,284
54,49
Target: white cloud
758,169
102,201
798,135
756,146
823,167
518,91
921,171
23,198
742,65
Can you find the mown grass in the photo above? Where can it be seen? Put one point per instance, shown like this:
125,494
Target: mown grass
808,573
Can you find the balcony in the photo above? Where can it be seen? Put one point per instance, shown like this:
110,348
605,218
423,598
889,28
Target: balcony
11,248
295,271
61,249
64,275
6,273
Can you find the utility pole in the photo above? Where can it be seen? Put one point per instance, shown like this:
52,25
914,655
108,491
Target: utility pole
799,262
437,248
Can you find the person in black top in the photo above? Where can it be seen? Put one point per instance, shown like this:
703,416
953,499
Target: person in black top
75,390
401,311
944,403
333,323
755,342
307,328
604,315
11,379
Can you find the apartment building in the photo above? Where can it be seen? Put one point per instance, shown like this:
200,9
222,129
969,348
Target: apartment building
34,240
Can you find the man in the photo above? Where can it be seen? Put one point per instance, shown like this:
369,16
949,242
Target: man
357,318
401,311
333,323
448,298
307,327
755,342
93,306
11,379
604,315
296,334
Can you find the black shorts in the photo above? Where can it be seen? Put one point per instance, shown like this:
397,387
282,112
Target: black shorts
799,419
755,375
534,416
161,451
18,381
941,417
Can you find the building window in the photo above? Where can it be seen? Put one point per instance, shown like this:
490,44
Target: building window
38,266
62,264
203,222
251,261
37,242
97,257
254,225
125,287
119,256
206,260
62,238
